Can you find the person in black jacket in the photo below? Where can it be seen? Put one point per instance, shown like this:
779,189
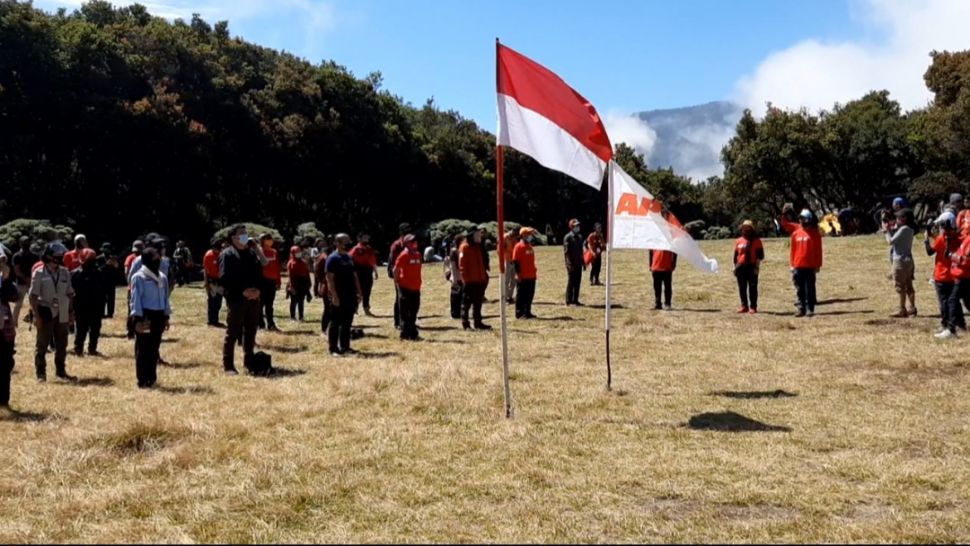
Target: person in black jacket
241,276
572,245
111,273
90,296
8,326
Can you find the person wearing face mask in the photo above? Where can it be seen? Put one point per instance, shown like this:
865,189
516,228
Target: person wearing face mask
396,248
344,290
524,265
474,278
453,276
407,277
365,261
298,283
213,289
72,259
150,312
22,264
272,282
241,275
749,252
52,301
90,295
8,326
572,245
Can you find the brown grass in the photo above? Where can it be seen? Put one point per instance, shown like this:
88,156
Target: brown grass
855,426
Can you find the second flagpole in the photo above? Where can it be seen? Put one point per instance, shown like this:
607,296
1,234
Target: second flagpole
500,198
609,271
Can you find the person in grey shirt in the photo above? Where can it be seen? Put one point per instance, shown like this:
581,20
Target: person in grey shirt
904,269
52,302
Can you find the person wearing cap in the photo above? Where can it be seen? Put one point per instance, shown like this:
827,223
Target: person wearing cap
663,263
453,276
344,291
407,277
572,248
942,247
272,280
749,252
213,289
8,325
524,265
52,301
22,263
110,274
511,240
365,262
241,276
183,263
805,258
900,240
298,284
595,245
150,311
396,248
954,205
474,278
90,295
72,257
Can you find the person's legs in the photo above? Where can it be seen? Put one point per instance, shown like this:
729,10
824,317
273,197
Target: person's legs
18,307
6,368
811,294
753,290
366,277
250,326
214,306
668,288
110,302
477,300
82,326
234,328
466,304
456,296
801,287
60,349
509,280
943,292
595,268
408,316
743,281
327,318
269,308
293,303
415,311
45,332
520,301
657,290
527,292
143,355
340,321
397,307
301,306
94,334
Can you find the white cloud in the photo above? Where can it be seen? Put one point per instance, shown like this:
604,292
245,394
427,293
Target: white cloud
631,130
816,74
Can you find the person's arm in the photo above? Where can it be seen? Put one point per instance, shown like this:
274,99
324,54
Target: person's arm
760,252
931,247
650,258
334,297
735,254
137,293
674,262
786,226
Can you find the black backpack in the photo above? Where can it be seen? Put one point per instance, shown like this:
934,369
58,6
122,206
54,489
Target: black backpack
259,364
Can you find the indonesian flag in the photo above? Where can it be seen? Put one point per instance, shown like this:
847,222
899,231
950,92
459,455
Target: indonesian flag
541,116
638,222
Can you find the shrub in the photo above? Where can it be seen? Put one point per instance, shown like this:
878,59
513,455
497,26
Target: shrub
696,228
447,229
36,230
307,230
254,230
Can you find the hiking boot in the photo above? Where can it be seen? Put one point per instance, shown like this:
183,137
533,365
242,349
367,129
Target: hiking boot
482,326
743,310
912,312
899,314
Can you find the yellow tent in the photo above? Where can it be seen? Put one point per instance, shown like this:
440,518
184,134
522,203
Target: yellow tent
830,225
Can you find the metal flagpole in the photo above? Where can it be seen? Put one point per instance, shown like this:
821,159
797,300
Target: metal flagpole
500,198
609,272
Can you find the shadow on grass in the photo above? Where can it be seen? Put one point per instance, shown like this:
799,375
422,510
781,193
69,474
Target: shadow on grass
171,339
285,350
843,313
687,310
729,421
375,336
425,317
280,373
194,390
754,395
840,300
300,333
377,355
603,306
186,366
30,417
552,319
445,341
437,328
87,382
114,336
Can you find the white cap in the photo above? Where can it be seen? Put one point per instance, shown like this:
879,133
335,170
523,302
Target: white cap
807,214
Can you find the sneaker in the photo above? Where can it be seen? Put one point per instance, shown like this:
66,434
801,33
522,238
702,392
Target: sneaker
743,310
530,316
368,313
79,352
95,354
753,311
899,314
657,307
668,308
66,377
912,312
811,314
336,354
42,379
232,371
466,326
946,334
800,313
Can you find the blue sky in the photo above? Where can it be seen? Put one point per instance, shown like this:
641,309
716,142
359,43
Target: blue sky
624,56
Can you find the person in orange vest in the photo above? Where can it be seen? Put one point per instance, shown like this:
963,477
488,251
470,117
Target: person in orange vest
805,258
365,261
213,290
407,277
595,245
963,219
662,266
271,273
474,278
511,239
524,266
72,258
748,255
946,243
298,284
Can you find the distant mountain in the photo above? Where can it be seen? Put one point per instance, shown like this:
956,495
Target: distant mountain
690,139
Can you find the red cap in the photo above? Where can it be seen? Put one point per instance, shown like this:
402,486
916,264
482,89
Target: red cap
573,223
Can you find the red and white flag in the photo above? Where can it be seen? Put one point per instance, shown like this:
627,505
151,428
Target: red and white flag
541,116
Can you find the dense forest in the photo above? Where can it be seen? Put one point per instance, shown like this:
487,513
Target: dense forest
116,122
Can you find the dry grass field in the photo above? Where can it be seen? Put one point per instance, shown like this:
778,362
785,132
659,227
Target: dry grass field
846,427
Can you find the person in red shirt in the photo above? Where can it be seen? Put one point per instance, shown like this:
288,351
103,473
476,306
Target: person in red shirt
963,219
805,259
407,278
595,244
946,243
511,239
365,262
524,264
662,266
322,290
748,255
72,258
474,277
396,248
298,285
213,290
137,247
272,276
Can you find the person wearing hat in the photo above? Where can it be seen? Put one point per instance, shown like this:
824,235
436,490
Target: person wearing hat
110,272
474,278
344,291
407,277
805,259
72,257
8,325
396,248
749,252
900,240
572,247
213,288
595,245
365,261
22,263
511,240
183,263
52,301
241,277
298,284
524,266
453,276
273,281
150,311
90,295
942,247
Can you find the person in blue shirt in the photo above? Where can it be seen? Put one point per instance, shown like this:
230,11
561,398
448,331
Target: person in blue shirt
345,295
150,312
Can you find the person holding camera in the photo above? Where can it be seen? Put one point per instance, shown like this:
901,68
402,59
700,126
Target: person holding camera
241,276
900,238
52,302
150,312
942,247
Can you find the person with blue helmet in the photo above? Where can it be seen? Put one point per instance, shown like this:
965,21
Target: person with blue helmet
942,247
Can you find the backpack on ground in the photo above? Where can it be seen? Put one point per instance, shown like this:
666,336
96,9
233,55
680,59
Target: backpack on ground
259,364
